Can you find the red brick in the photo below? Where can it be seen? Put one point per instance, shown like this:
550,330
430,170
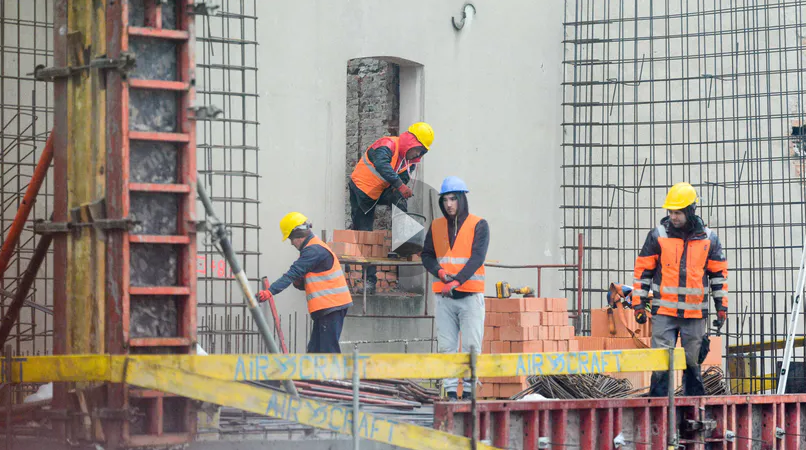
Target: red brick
557,304
348,236
486,347
486,390
491,319
573,345
509,305
541,333
625,343
377,251
488,333
590,343
526,347
509,389
515,333
411,258
499,347
562,346
514,380
523,319
343,249
549,346
391,276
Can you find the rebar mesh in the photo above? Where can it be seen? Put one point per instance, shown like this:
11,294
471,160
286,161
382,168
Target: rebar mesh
226,77
706,92
26,108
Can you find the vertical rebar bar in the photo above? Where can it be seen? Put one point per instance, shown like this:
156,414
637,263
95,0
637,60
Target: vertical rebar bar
356,404
671,426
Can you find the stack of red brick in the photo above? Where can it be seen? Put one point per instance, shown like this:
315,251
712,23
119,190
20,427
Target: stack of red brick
365,244
523,325
602,339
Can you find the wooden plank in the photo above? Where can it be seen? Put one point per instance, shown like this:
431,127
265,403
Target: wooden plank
42,369
301,410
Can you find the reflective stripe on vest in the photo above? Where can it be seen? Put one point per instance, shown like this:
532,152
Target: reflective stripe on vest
366,177
673,296
326,289
454,259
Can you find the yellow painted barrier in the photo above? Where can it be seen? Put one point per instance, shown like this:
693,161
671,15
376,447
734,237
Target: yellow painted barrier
301,410
249,367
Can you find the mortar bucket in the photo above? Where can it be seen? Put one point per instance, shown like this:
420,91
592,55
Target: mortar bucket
408,232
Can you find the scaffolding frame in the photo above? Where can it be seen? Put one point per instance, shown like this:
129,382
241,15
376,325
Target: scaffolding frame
660,92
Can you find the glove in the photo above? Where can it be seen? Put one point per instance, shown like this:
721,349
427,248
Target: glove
405,191
447,290
640,316
721,317
264,296
443,275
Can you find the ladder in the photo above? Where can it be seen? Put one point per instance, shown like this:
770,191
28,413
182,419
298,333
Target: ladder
794,316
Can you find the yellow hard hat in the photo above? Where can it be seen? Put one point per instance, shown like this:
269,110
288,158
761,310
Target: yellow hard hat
424,133
680,195
290,221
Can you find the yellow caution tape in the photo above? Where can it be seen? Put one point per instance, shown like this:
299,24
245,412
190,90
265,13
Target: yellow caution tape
301,410
251,367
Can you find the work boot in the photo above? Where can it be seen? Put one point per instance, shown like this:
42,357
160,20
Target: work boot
465,395
452,397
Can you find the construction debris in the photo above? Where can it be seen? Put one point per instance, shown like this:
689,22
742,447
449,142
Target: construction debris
575,387
714,381
397,394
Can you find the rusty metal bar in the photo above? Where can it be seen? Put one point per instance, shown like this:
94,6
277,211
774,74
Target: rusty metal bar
27,280
24,210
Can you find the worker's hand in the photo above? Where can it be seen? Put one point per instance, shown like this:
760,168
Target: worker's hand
264,296
721,317
447,289
444,276
405,191
640,316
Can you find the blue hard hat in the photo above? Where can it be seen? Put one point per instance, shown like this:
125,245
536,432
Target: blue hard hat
453,184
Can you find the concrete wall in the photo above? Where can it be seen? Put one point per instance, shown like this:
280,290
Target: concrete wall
491,92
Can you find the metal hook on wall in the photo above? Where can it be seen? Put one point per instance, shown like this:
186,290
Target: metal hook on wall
465,14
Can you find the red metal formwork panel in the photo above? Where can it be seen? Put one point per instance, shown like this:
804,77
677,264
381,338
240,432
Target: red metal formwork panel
151,179
769,422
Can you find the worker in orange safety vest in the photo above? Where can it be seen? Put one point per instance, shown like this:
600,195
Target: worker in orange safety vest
679,262
454,251
382,175
317,272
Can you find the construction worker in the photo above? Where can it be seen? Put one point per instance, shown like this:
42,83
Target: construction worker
319,274
381,176
454,251
680,259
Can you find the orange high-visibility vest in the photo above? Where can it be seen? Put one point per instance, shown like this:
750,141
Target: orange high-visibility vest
326,289
669,294
453,259
366,177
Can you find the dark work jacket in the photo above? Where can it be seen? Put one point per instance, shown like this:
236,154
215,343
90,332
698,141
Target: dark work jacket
313,258
381,157
481,241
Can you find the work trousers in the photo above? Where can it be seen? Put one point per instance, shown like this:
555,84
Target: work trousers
364,221
665,330
326,332
465,315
